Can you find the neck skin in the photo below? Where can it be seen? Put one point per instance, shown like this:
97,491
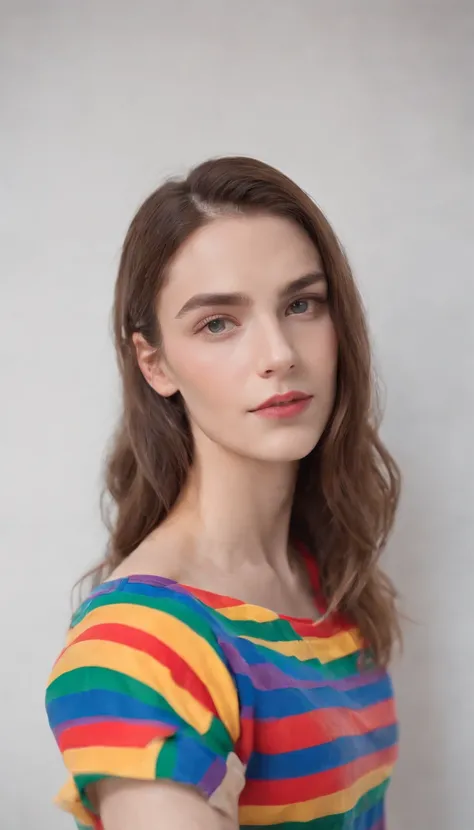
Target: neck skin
237,510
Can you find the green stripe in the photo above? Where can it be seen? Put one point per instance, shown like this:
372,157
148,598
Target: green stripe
218,738
371,798
84,781
273,631
166,761
93,677
342,667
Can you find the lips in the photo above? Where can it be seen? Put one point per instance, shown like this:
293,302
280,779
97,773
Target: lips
283,400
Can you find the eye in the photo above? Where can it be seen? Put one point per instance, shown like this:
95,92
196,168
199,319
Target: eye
307,306
216,326
299,306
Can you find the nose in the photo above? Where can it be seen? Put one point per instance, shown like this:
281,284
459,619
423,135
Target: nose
275,353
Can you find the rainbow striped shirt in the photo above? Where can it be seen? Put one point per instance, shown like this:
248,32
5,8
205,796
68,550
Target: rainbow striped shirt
275,714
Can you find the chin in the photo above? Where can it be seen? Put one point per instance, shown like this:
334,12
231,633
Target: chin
293,446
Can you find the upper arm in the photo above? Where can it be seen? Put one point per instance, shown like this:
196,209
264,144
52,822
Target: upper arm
139,805
141,693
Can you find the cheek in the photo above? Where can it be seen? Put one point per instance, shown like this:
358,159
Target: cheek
204,372
331,347
321,347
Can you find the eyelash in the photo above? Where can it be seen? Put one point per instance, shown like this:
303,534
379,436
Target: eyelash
318,300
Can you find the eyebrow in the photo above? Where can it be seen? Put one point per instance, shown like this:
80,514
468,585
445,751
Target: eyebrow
237,299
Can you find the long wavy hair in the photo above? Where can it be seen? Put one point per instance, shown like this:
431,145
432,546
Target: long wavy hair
347,488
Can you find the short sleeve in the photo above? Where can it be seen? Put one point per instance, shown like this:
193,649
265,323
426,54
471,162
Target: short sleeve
141,691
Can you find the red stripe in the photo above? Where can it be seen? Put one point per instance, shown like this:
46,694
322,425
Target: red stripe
245,743
214,600
323,628
337,621
320,726
181,672
117,733
292,790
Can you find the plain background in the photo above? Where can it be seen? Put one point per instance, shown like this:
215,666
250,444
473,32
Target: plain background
368,105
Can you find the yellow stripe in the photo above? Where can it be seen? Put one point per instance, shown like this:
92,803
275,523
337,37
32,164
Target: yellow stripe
325,805
141,667
123,762
68,800
248,612
139,764
185,642
324,649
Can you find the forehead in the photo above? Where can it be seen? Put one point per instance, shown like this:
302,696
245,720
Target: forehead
242,253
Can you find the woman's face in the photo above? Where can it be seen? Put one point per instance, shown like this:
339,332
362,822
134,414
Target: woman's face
244,317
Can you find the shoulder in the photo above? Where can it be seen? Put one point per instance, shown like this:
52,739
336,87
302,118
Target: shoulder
147,633
142,691
145,602
163,553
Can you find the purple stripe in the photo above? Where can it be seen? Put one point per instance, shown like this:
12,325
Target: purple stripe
379,825
345,684
158,581
268,677
161,582
213,776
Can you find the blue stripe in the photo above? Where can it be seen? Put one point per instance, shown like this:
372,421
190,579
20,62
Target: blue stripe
281,703
193,760
320,758
103,703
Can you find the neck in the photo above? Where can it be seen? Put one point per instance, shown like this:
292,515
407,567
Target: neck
238,509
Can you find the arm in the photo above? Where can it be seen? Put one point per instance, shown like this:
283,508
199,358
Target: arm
157,805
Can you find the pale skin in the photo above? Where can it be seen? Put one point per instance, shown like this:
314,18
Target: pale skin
229,532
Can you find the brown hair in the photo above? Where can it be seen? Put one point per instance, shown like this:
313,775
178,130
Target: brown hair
348,486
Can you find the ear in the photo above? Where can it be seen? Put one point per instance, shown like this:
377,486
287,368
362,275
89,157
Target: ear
153,367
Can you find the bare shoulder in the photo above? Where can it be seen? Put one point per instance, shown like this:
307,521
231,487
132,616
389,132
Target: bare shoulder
164,552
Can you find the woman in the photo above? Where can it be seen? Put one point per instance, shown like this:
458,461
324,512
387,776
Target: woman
231,669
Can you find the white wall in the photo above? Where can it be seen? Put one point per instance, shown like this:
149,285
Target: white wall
366,103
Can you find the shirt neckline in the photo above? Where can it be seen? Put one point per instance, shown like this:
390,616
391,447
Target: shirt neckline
220,601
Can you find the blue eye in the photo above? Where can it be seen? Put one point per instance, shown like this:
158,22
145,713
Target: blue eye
216,326
299,306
